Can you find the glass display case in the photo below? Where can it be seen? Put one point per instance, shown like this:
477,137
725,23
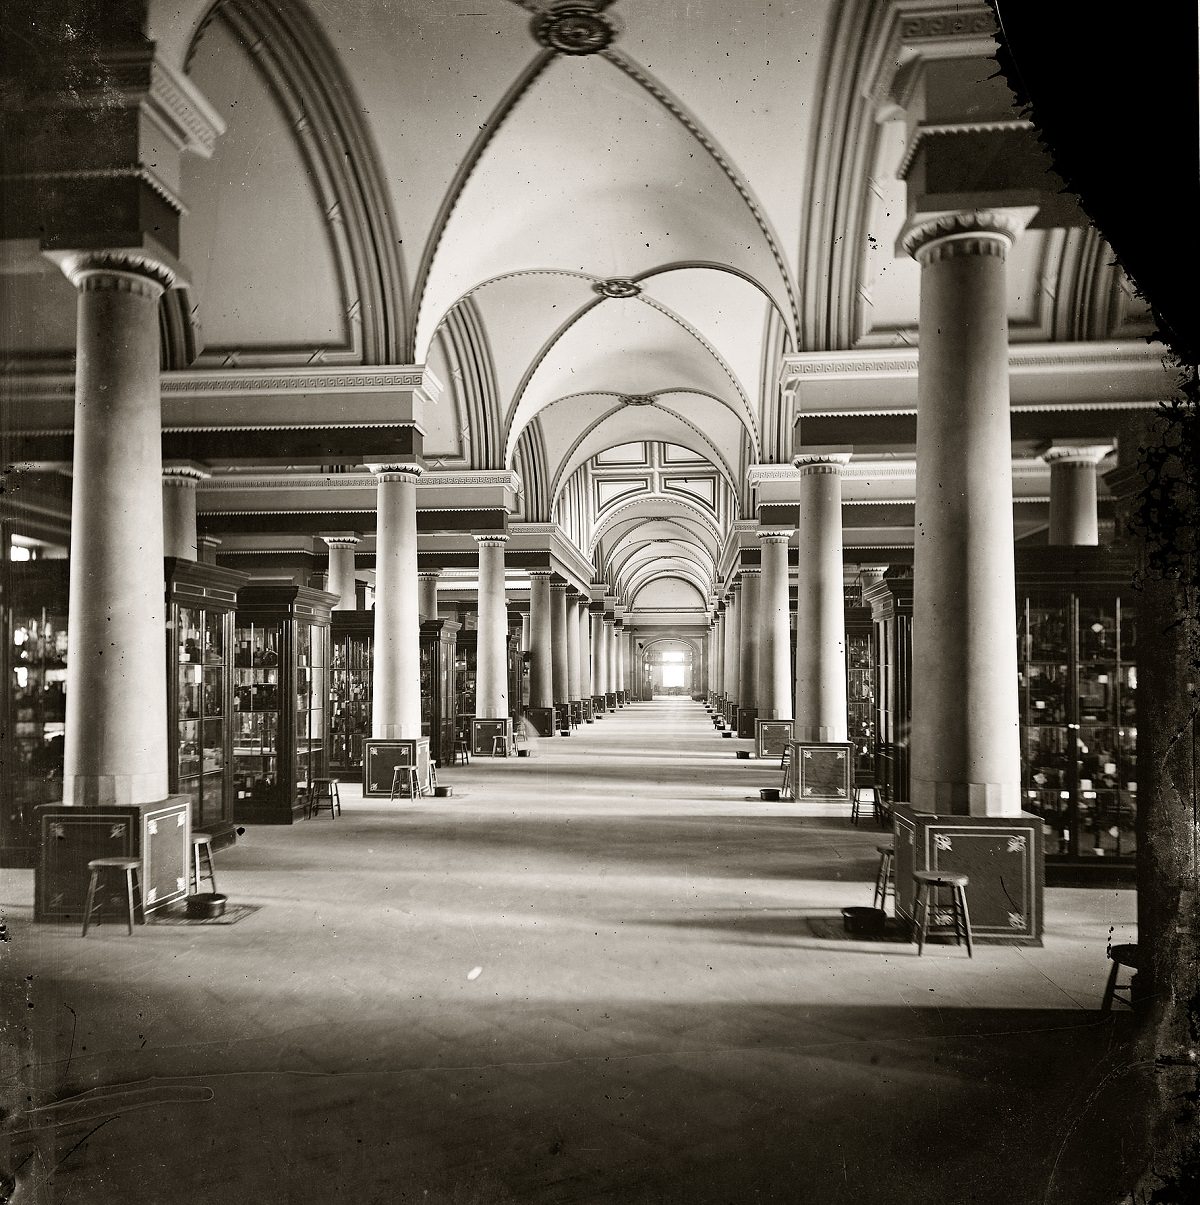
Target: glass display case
352,644
33,721
465,653
891,600
200,604
439,696
860,689
280,695
1077,662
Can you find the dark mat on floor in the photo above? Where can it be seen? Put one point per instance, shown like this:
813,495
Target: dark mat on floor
831,928
176,914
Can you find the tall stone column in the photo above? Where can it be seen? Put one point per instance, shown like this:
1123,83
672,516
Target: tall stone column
541,653
964,748
1073,515
116,711
748,652
599,664
774,625
558,640
820,712
733,616
611,637
179,510
427,590
491,649
719,649
340,579
574,676
396,675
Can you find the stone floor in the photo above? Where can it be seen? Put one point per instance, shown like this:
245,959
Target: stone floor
607,973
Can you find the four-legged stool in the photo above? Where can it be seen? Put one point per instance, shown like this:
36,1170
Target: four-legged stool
885,877
499,746
928,883
1122,956
405,784
462,751
202,861
323,793
98,866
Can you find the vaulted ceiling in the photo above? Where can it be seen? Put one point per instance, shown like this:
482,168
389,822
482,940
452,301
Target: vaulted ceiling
603,225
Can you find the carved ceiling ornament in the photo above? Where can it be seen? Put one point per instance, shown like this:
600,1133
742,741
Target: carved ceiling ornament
618,287
575,28
636,399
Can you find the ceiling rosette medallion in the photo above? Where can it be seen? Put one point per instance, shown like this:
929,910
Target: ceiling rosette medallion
574,28
617,287
636,399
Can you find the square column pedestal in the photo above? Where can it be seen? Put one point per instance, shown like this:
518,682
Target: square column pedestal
541,720
158,834
746,717
383,756
1003,857
598,707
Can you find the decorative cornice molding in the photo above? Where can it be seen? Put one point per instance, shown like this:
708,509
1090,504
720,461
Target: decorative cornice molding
181,109
251,381
78,174
949,129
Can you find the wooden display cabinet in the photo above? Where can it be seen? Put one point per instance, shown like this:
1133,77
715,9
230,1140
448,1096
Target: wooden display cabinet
280,699
860,689
201,600
466,653
33,715
891,602
352,647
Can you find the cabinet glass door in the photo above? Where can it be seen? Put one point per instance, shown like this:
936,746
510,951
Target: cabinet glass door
256,705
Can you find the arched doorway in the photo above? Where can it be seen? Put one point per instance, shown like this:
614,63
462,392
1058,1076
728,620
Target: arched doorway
668,667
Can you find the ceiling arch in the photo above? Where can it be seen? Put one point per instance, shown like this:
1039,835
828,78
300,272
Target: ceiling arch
656,505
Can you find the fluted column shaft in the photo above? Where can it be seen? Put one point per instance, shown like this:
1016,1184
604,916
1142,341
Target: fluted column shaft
965,754
558,640
179,510
427,592
116,708
775,633
541,653
820,702
491,648
599,661
340,578
574,675
748,652
733,616
396,675
1074,518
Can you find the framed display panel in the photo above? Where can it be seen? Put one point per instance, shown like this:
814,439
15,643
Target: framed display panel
540,719
822,771
157,834
351,659
280,697
746,717
562,717
576,706
33,708
1002,856
485,732
772,737
382,757
201,600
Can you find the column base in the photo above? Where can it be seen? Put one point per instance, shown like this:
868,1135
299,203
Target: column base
598,705
771,738
1003,856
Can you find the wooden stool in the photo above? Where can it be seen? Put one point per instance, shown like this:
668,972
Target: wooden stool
499,746
928,883
132,868
202,858
885,877
462,751
323,793
405,784
856,802
1122,956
